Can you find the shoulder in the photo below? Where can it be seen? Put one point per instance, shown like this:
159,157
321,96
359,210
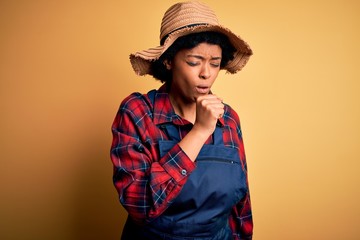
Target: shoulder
231,117
135,103
133,100
134,110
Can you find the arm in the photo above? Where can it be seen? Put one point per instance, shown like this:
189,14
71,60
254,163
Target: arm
145,182
241,221
208,109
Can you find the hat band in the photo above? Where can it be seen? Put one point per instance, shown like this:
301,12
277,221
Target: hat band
187,26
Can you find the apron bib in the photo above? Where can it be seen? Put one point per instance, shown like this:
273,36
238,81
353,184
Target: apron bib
202,209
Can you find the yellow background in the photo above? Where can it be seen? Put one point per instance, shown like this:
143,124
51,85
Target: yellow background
64,70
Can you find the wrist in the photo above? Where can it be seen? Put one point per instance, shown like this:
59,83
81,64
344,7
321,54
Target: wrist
201,133
192,143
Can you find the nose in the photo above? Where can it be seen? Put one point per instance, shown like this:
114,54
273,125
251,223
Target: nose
205,72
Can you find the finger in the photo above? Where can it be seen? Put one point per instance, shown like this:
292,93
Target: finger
212,105
211,100
216,110
215,103
221,113
209,96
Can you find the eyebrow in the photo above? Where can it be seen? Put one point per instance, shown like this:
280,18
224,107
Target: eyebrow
201,57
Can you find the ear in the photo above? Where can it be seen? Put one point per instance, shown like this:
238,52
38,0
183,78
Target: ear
167,64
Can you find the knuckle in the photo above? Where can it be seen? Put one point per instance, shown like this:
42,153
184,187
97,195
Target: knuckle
203,103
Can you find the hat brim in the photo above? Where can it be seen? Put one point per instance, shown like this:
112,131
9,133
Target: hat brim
141,61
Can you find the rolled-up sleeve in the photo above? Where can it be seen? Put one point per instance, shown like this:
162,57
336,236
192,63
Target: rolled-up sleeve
241,220
146,183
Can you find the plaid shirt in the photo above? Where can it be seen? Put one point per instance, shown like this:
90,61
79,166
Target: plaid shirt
148,183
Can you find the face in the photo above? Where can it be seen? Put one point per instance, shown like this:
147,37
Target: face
194,71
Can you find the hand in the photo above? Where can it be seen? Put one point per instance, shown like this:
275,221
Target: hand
209,108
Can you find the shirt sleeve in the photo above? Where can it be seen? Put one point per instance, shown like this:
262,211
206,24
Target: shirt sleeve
146,183
241,221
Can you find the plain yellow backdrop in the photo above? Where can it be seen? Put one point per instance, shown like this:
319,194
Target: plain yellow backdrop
64,70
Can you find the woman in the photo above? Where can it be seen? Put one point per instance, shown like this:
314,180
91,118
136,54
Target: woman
178,155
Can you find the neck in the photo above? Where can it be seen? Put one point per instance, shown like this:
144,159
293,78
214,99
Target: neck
186,110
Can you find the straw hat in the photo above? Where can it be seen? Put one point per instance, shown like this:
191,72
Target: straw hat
185,18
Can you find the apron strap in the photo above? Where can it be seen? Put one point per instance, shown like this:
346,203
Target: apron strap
172,131
218,136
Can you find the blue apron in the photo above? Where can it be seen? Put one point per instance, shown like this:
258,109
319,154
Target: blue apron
201,211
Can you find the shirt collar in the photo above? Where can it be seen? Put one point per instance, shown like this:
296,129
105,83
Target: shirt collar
164,111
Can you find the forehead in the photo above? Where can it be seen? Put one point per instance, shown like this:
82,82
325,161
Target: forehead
204,50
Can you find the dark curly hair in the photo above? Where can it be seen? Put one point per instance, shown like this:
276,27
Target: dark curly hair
158,69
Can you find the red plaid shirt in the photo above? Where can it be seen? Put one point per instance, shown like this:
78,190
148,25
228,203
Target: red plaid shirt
147,183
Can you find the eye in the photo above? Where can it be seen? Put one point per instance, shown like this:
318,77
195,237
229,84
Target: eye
216,65
192,64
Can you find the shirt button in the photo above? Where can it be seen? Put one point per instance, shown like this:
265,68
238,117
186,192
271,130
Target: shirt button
183,172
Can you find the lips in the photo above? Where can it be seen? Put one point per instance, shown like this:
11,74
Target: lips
203,89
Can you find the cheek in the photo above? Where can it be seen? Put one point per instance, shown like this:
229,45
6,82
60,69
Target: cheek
215,74
187,74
